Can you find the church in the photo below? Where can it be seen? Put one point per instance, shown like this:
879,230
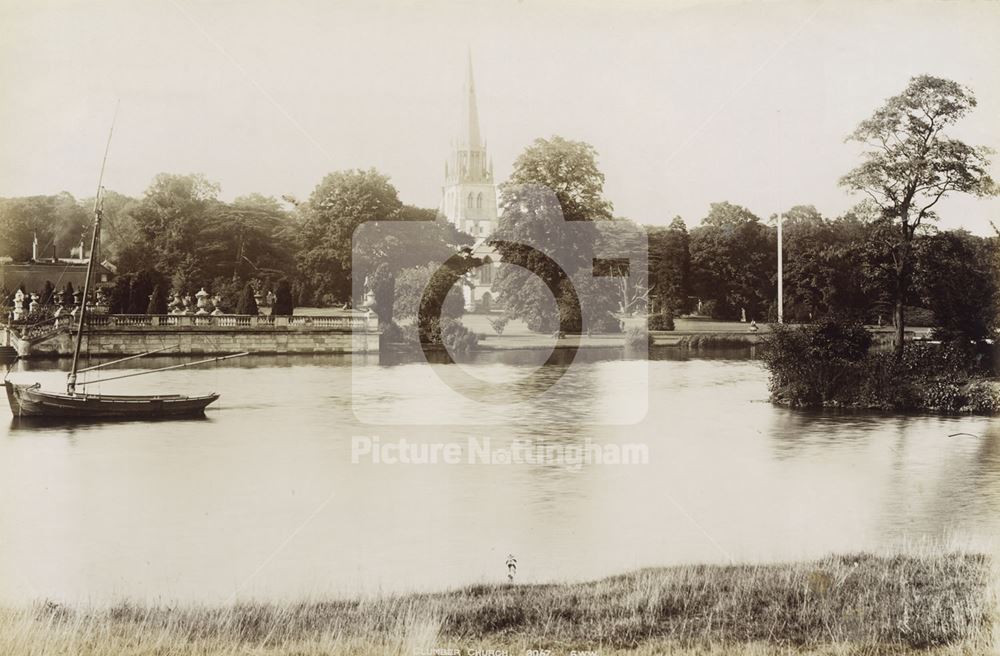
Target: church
469,197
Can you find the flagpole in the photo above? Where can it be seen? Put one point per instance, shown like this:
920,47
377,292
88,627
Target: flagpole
781,282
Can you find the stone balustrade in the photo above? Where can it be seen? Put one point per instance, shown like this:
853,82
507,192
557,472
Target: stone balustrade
346,322
202,333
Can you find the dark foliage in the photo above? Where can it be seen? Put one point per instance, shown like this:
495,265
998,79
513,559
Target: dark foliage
283,304
157,301
247,303
45,296
661,321
829,364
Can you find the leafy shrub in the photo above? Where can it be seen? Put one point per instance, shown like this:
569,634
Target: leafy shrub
457,338
247,304
829,364
710,308
450,333
498,324
711,341
283,302
393,333
982,398
815,364
918,317
661,321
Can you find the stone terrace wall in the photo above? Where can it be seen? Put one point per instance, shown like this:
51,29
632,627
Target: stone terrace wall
132,334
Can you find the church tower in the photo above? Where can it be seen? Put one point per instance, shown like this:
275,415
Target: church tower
468,197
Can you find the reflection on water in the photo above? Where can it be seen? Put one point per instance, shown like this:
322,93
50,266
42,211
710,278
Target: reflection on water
261,498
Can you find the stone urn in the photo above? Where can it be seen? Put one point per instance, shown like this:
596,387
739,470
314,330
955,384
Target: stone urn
202,302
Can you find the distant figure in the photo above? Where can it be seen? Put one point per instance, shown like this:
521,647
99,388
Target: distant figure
753,325
511,567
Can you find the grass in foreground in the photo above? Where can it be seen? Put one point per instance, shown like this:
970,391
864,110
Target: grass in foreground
942,604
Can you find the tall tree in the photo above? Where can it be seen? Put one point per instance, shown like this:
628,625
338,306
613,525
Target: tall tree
957,281
252,237
910,164
283,303
157,301
341,202
734,261
247,303
58,222
670,266
548,205
172,217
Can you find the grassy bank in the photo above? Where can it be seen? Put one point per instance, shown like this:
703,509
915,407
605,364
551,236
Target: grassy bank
941,604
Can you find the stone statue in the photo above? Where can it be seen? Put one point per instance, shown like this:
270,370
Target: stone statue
18,305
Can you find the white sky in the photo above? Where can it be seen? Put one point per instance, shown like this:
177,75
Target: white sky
686,102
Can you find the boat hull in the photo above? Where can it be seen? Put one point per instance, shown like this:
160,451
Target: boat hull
31,401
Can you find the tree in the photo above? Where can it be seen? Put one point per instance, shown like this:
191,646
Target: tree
733,262
118,295
546,232
58,222
824,264
122,239
341,202
670,266
283,304
142,286
248,238
498,324
957,281
171,218
48,291
247,303
67,295
157,301
909,165
569,169
419,284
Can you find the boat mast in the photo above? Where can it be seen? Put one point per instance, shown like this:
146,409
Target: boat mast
98,211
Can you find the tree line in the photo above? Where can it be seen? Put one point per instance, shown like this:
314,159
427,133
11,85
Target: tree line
872,263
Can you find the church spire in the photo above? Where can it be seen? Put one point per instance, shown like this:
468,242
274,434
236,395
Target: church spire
470,128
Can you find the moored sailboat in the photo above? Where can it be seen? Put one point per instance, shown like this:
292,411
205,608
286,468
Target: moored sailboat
30,400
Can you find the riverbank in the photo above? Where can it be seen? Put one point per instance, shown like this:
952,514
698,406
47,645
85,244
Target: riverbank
930,605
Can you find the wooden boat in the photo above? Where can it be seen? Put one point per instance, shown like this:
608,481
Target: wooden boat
32,401
29,400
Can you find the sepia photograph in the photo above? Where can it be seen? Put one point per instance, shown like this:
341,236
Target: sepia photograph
500,327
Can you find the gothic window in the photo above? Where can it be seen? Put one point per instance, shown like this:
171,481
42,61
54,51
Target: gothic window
470,199
479,200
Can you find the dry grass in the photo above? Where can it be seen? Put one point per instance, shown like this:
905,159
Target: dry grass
934,605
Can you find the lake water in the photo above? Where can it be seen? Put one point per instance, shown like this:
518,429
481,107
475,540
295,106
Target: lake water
261,499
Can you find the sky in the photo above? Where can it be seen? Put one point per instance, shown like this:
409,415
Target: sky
687,103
